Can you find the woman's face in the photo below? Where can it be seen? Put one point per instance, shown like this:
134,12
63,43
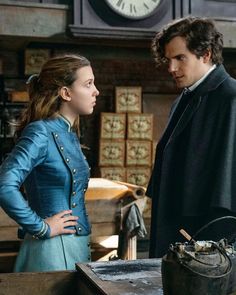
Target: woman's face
83,92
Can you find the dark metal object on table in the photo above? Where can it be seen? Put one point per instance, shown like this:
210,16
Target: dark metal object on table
216,229
202,267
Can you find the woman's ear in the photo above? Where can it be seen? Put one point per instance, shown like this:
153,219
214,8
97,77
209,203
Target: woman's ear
64,93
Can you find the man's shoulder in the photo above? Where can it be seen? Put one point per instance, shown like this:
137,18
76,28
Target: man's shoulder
225,86
231,82
228,87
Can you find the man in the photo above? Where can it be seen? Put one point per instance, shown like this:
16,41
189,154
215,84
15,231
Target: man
194,175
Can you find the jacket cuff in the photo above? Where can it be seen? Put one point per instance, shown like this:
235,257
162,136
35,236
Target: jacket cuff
44,233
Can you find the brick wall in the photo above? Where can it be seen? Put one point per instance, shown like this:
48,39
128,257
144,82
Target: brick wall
113,67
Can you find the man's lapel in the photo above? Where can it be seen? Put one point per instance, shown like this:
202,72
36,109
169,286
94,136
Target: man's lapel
212,82
186,116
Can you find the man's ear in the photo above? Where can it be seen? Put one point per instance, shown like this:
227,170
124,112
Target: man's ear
64,93
207,56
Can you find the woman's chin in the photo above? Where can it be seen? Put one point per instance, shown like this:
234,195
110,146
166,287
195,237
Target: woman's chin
88,112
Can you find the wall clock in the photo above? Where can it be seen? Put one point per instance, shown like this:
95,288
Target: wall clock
130,13
133,9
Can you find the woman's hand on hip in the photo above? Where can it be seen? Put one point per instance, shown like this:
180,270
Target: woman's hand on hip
59,221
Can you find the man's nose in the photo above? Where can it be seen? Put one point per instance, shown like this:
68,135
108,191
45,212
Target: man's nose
172,66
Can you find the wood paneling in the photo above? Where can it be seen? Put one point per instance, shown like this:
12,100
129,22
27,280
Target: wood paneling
48,283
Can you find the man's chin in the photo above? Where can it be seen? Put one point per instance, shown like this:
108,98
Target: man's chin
180,85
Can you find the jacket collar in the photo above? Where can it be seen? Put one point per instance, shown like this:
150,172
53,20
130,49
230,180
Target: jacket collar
66,121
196,84
215,78
61,123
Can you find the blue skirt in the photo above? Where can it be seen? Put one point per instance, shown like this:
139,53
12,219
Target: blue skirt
57,253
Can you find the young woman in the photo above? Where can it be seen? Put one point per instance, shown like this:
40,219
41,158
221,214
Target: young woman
48,160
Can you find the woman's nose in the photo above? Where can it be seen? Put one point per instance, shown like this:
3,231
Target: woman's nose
96,91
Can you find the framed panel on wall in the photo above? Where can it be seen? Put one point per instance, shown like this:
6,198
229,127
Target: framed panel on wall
159,105
34,59
113,126
111,153
138,153
128,99
140,126
214,8
113,173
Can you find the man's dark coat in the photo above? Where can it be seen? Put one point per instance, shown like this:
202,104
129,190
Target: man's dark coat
195,167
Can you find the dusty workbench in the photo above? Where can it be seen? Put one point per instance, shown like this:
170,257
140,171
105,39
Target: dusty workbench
134,277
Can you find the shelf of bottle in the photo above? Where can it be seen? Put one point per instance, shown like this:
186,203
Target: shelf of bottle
23,77
13,104
6,136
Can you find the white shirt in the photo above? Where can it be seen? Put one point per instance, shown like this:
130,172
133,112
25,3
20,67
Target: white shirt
195,85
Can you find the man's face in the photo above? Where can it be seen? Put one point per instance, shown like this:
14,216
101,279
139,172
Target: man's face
184,66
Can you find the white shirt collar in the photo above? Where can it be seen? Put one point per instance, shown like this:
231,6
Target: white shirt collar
195,85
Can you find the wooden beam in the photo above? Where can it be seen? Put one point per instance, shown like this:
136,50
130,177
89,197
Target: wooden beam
46,283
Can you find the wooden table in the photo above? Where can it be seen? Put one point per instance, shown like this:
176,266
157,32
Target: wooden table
130,277
121,277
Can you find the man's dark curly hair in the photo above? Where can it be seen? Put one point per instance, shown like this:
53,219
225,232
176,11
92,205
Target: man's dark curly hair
200,34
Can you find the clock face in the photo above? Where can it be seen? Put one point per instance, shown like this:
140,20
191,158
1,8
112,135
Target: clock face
133,9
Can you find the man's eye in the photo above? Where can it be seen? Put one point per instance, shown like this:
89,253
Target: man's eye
181,57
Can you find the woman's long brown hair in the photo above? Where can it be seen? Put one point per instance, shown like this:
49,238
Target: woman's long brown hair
43,89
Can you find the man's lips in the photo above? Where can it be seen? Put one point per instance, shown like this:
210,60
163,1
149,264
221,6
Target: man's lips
178,77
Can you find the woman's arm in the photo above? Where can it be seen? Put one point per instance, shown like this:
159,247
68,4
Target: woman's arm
30,151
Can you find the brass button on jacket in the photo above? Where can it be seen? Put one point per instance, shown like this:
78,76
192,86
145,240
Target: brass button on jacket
74,205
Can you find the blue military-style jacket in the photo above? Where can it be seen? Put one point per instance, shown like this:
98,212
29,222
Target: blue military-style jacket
48,160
